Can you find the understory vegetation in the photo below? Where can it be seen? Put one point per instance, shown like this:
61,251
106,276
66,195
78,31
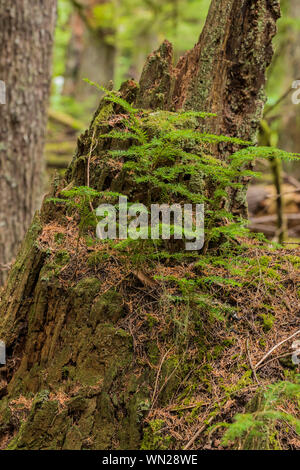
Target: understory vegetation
192,339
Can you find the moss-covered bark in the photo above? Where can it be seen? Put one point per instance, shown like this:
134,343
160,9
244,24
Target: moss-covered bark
224,74
90,357
65,349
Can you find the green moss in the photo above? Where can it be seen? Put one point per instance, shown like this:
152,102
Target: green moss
59,238
267,321
295,260
97,258
5,416
87,287
73,439
107,308
103,114
62,257
153,438
33,433
153,352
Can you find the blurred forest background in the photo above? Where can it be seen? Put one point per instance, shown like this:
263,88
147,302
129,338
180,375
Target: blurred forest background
108,40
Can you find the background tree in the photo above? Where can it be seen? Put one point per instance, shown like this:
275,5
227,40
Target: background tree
92,47
26,29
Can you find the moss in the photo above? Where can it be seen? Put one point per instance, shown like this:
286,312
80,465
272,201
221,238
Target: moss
97,258
73,439
153,438
34,432
77,404
153,352
5,416
87,287
170,376
262,343
59,238
267,321
295,260
62,257
108,308
52,269
152,321
103,114
74,338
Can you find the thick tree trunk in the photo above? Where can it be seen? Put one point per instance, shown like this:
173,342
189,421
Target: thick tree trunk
69,335
26,36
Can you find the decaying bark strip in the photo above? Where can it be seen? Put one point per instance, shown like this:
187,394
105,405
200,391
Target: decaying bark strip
224,73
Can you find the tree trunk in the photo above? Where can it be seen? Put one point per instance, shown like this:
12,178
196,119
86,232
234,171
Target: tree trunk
67,325
289,138
91,53
224,73
26,35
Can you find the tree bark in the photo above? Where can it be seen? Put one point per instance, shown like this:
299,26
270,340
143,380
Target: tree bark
26,35
289,55
73,333
225,73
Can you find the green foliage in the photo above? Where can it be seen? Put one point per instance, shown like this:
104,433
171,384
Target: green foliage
167,154
170,159
260,423
79,199
133,27
104,17
268,321
154,438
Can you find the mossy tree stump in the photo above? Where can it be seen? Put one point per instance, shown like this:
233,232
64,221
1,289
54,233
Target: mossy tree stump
69,360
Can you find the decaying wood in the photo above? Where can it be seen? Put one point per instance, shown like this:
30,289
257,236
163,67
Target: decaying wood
63,335
224,73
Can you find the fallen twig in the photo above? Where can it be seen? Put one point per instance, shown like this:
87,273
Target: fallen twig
191,441
275,347
250,362
274,359
157,378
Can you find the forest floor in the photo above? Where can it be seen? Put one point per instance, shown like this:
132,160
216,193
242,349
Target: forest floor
192,346
206,330
127,345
